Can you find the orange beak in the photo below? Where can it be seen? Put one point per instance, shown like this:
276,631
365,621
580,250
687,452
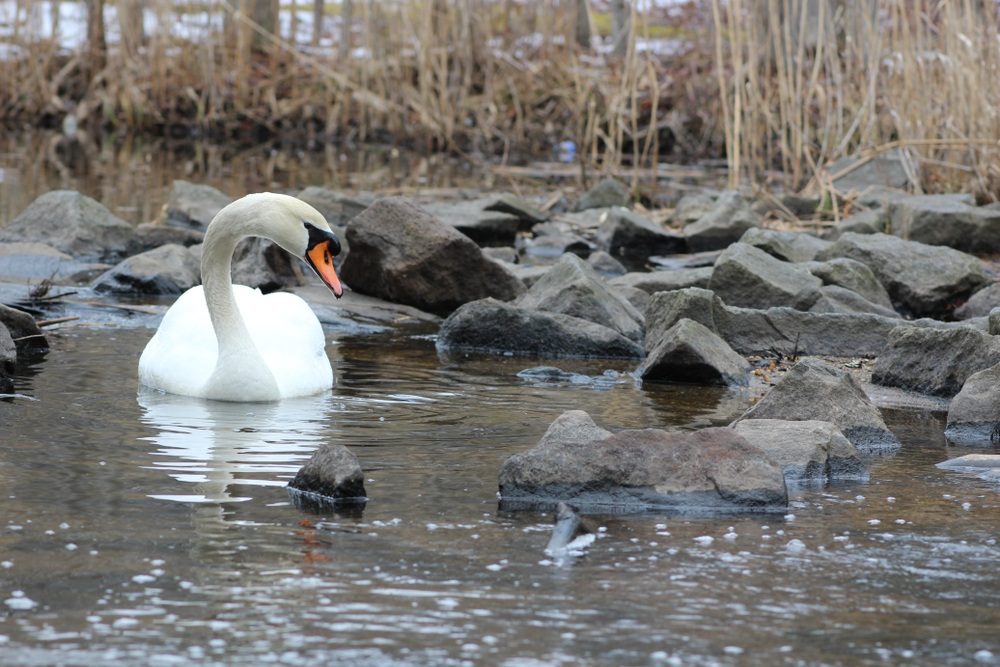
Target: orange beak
321,260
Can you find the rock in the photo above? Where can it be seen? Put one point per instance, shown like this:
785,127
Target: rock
871,221
921,280
878,196
637,297
748,277
885,169
504,202
624,232
690,353
572,287
666,309
71,223
836,299
557,245
979,304
695,260
994,322
971,462
149,235
22,329
401,254
332,475
639,470
492,326
568,528
587,220
814,390
37,260
528,273
692,208
8,356
809,452
486,228
336,207
263,264
728,220
934,361
665,281
798,205
786,246
605,265
193,206
503,254
974,413
552,227
169,269
853,275
605,194
949,220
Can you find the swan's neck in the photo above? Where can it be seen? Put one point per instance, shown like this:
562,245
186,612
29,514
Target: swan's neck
240,374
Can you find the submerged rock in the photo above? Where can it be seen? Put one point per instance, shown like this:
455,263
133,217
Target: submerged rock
809,452
331,476
169,269
690,353
714,469
974,413
934,361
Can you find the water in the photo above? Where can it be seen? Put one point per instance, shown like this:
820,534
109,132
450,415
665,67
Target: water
156,530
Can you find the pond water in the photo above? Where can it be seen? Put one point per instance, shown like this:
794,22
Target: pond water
143,529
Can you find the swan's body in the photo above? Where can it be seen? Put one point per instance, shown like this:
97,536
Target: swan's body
233,343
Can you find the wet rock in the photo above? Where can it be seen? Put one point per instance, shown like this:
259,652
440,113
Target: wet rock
921,280
169,269
572,287
22,328
748,277
71,223
262,263
486,228
786,246
979,304
972,462
37,260
332,475
692,208
508,254
934,361
885,170
836,299
193,206
8,355
557,245
809,452
401,254
815,390
853,275
605,194
974,413
337,207
871,221
690,353
665,281
576,461
605,265
492,326
728,220
948,220
624,232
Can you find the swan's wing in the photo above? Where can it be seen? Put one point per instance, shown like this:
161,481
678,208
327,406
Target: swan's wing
182,353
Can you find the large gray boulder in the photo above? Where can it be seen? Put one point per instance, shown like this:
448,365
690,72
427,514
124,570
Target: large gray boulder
169,269
921,280
853,275
193,206
607,193
809,452
486,228
815,390
331,476
578,462
690,353
787,246
974,413
625,232
262,263
667,308
980,304
492,326
728,220
572,287
950,220
71,223
934,361
747,277
401,254
665,281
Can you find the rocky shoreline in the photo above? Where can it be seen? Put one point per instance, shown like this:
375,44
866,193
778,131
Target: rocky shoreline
893,283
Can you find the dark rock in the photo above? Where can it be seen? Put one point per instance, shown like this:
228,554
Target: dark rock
572,287
665,281
853,275
193,206
262,263
401,254
949,220
690,353
22,328
169,269
922,280
692,208
993,322
748,277
814,390
71,223
934,361
696,260
786,246
624,232
979,304
334,474
503,254
486,228
798,205
714,469
149,236
605,194
557,245
568,527
885,170
809,452
489,325
37,260
336,207
871,221
605,265
505,202
836,299
728,220
974,413
666,309
8,356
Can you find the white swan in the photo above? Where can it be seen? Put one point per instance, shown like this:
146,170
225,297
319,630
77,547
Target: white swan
233,343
